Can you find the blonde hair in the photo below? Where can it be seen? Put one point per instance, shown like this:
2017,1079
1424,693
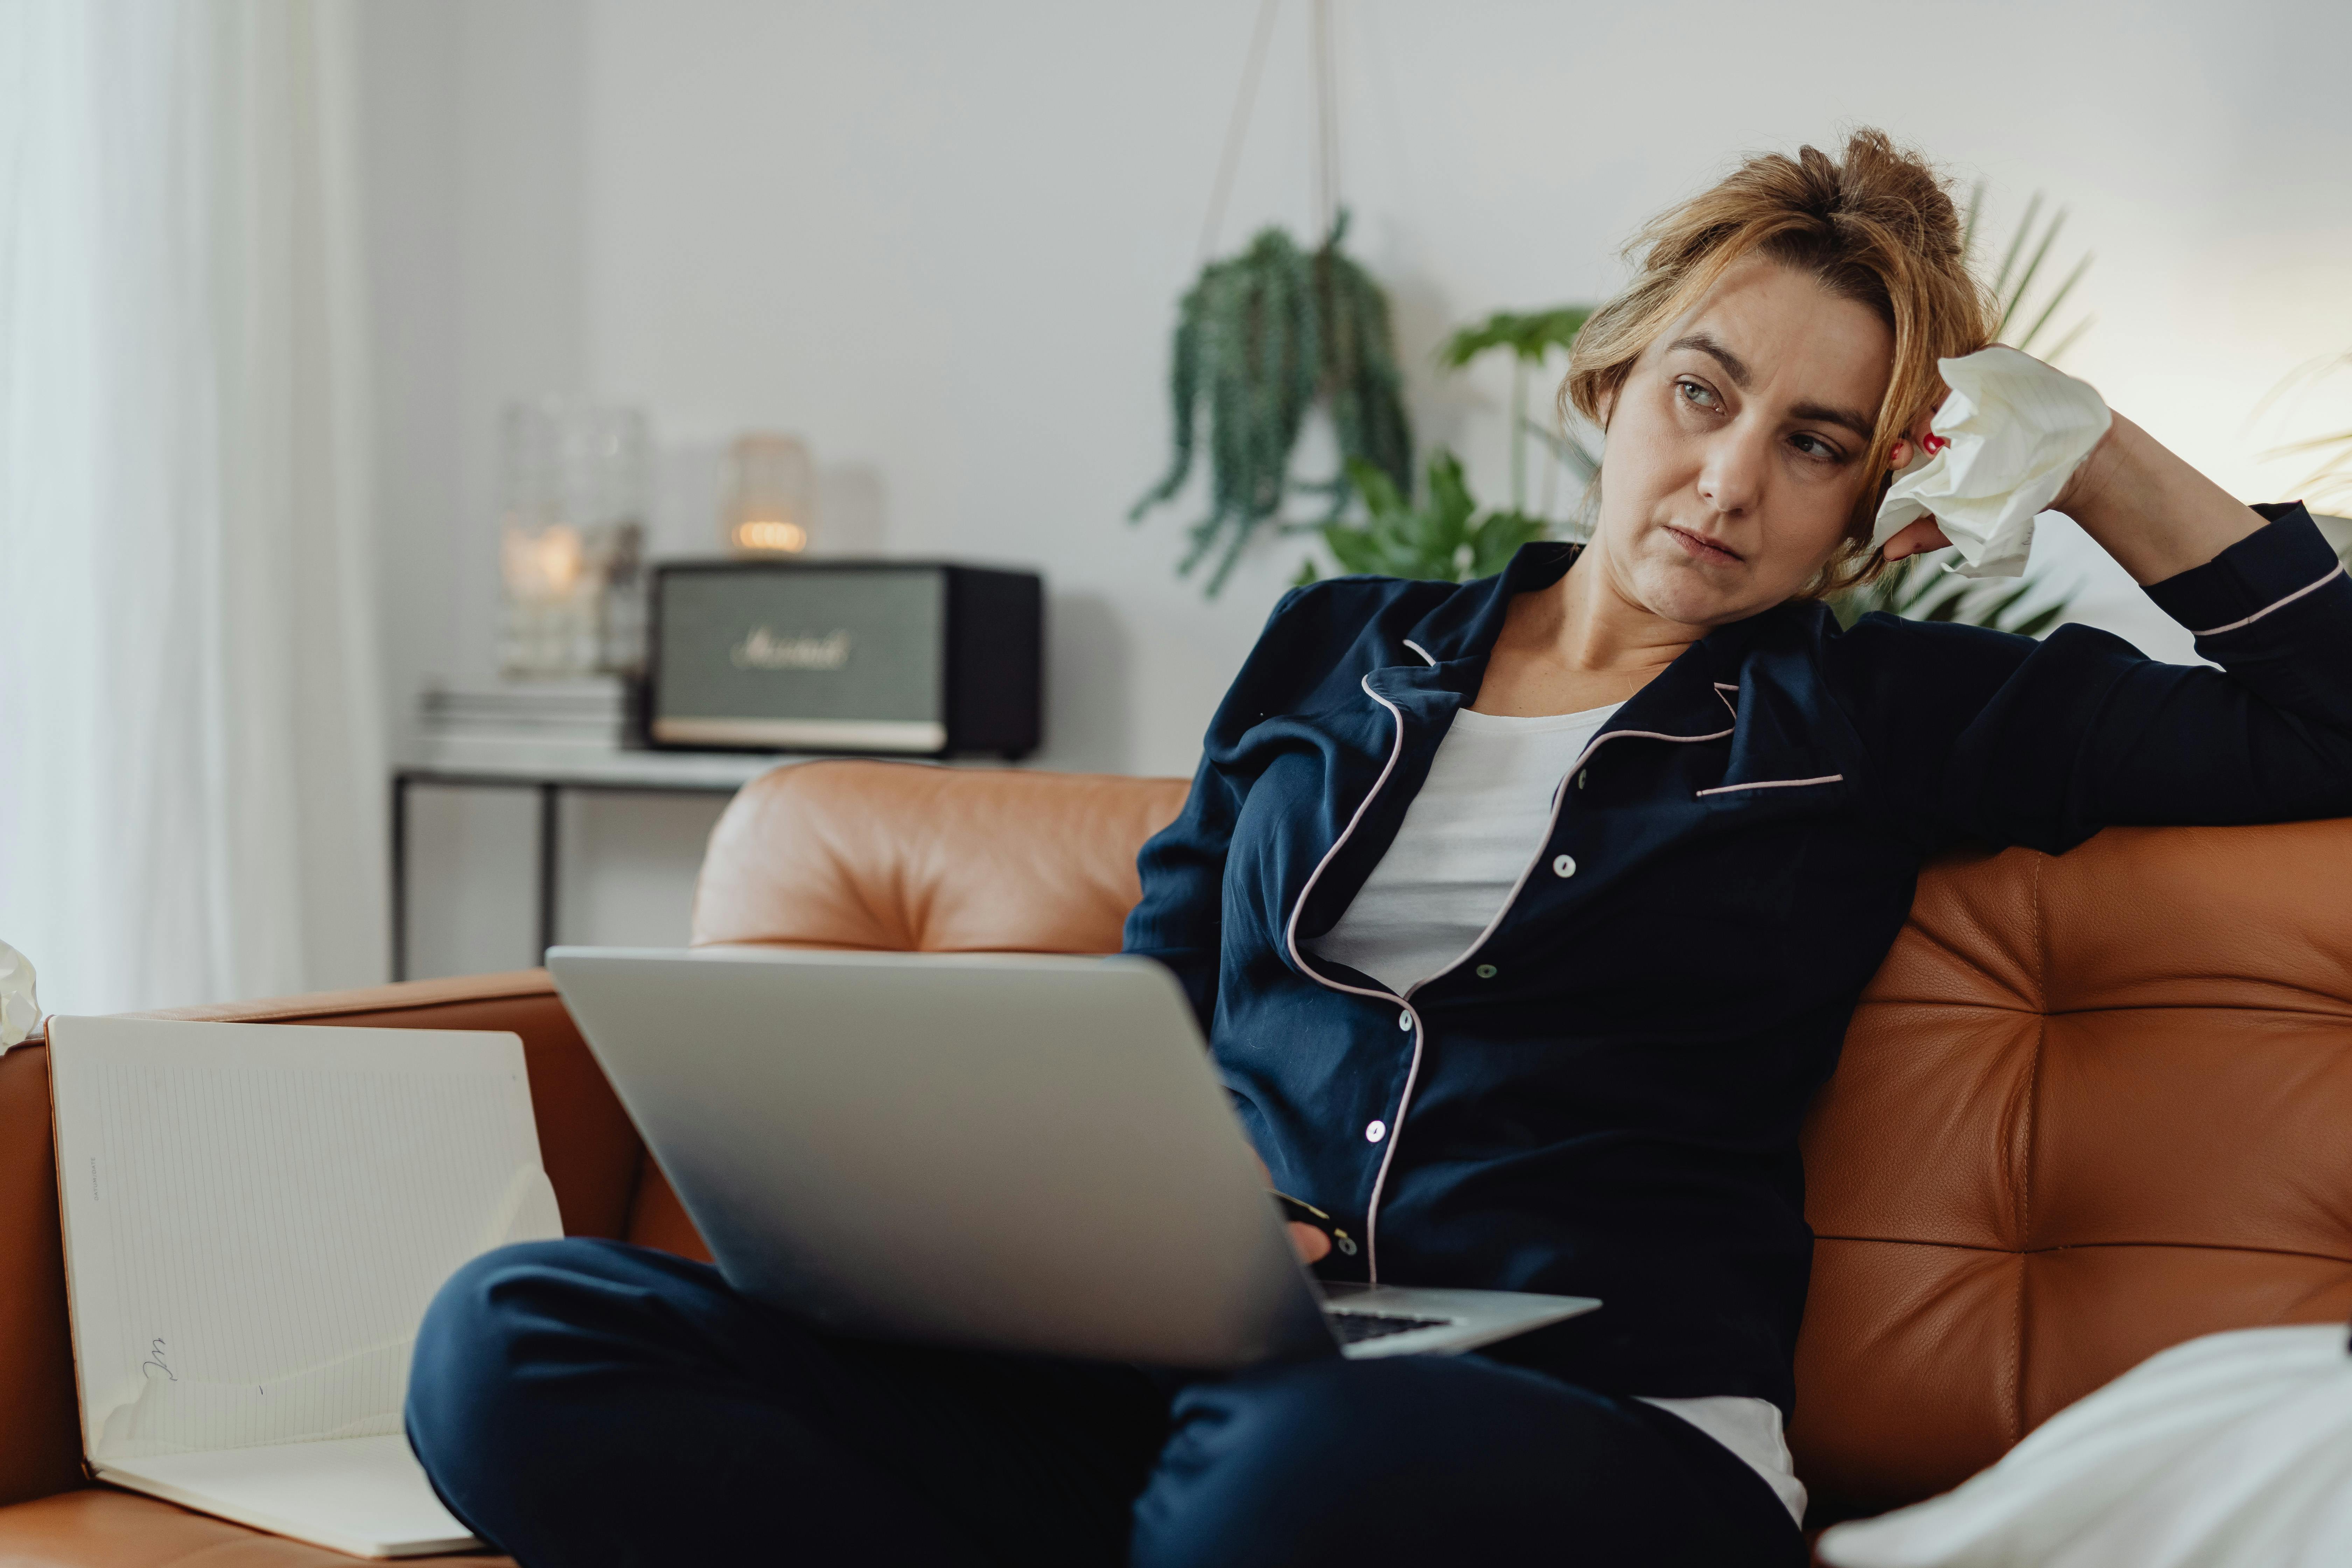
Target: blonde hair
1878,227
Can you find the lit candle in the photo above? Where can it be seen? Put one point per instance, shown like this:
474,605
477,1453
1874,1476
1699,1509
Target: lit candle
768,510
771,535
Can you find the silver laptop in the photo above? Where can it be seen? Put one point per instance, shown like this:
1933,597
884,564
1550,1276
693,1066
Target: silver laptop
1020,1153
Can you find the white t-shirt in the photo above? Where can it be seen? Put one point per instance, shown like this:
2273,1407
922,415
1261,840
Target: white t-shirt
1482,817
1481,814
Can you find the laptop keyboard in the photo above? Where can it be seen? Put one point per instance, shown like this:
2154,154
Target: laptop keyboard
1355,1328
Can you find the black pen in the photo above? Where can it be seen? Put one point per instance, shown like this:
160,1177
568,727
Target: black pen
1304,1213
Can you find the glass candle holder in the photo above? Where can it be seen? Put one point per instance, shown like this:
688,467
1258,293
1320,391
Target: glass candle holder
772,496
572,553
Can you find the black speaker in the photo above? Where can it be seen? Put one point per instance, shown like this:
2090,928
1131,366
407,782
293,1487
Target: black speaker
906,658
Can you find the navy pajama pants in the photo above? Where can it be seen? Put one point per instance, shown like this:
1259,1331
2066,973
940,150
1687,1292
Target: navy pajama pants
589,1403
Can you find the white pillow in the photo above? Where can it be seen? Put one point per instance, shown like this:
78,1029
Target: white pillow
19,1008
2230,1451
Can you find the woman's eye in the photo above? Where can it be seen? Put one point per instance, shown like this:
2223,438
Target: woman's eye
1699,396
1814,447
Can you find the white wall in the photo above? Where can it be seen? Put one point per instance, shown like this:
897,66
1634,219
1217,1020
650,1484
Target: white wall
944,243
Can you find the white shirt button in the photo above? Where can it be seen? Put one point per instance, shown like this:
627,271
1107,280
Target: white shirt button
1563,866
1376,1132
1404,1020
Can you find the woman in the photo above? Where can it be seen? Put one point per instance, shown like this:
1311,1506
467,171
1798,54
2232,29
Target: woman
1525,917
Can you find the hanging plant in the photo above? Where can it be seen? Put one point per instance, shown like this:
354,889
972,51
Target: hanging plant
1261,339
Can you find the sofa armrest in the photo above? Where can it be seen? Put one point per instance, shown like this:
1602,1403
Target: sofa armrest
40,1439
374,1006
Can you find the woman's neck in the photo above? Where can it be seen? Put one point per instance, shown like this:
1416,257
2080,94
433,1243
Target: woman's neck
1582,642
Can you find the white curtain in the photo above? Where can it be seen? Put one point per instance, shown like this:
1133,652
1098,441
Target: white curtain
190,736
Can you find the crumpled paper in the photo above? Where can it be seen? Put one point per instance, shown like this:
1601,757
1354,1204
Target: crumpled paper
19,1008
2006,441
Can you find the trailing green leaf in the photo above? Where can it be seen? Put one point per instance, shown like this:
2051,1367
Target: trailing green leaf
1261,338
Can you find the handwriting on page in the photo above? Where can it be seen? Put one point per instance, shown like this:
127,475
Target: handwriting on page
276,1234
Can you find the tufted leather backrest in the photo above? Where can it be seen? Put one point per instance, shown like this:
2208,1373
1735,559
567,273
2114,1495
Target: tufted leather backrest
2091,1105
903,857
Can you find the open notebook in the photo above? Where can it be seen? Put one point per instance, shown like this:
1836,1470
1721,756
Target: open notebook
255,1218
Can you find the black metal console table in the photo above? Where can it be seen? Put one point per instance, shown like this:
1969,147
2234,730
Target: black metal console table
551,771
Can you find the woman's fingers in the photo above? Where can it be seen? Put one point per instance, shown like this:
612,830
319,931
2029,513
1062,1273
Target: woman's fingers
1916,539
1923,535
1312,1245
1921,438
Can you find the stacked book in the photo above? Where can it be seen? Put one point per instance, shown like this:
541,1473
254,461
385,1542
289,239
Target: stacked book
461,727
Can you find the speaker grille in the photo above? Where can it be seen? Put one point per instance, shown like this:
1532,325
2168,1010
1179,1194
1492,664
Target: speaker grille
839,658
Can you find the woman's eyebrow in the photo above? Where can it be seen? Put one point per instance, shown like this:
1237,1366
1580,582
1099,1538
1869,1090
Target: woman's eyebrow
1704,343
1860,423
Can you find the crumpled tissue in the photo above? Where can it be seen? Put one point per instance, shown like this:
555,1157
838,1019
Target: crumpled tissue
19,1008
2007,438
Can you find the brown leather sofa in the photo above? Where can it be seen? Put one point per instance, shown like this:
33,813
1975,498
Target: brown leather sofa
2091,1105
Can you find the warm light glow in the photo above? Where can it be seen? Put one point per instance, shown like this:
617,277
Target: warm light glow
542,564
771,535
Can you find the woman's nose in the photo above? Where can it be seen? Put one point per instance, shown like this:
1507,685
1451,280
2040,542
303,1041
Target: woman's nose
1731,479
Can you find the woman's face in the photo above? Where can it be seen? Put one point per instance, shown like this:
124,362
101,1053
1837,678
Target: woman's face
1736,446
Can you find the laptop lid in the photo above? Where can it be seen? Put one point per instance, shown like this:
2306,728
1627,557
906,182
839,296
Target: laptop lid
1022,1153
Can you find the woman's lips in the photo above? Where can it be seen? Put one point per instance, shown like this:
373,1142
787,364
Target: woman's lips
1703,548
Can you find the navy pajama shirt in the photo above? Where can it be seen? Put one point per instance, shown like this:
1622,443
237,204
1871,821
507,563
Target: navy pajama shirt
1603,1099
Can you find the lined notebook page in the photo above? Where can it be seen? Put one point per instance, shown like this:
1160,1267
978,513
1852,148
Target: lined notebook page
257,1216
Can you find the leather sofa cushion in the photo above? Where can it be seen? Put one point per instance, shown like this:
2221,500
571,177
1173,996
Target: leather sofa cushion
659,1220
2091,1105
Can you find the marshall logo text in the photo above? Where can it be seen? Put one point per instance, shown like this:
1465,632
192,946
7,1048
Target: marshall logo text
763,649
